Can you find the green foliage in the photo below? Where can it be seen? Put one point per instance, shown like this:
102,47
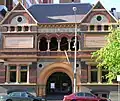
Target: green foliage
108,57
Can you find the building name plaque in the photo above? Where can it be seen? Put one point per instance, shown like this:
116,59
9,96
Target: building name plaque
94,41
18,42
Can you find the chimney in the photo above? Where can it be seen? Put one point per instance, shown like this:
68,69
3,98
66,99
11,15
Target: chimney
113,10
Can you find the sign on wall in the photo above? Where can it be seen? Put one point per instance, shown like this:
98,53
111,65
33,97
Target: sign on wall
94,41
18,42
118,78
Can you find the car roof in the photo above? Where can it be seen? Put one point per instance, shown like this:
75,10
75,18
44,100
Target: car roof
16,90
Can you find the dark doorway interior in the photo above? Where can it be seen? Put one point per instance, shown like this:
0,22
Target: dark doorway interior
58,84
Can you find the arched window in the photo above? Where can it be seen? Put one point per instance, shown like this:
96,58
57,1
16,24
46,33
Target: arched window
43,44
64,44
53,44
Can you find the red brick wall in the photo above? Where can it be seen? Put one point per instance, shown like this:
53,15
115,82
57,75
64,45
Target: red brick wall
33,73
2,73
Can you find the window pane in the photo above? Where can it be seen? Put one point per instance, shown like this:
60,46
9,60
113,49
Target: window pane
104,95
23,76
12,68
80,94
93,76
103,76
12,76
23,67
92,27
88,95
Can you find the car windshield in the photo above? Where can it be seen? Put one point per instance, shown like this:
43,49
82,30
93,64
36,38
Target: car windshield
24,94
89,95
80,94
14,94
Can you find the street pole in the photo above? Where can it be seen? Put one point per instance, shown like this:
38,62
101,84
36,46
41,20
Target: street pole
118,79
75,47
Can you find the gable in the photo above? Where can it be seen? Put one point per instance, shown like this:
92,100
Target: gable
19,15
99,6
99,15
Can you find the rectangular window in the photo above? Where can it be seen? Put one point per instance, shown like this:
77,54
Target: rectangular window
12,76
92,27
104,73
99,27
94,74
23,76
12,71
106,27
23,73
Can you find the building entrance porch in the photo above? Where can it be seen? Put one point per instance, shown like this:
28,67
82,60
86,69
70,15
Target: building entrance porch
59,83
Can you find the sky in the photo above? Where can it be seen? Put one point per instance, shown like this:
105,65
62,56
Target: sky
108,4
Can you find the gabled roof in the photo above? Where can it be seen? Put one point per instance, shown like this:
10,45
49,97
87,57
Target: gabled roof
56,13
100,6
17,8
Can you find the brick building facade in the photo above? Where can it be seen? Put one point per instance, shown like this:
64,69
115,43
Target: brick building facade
38,53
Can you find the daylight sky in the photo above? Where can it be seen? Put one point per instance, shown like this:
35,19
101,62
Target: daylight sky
108,4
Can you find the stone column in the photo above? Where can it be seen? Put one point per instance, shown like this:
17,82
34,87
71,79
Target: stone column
17,74
48,47
29,28
38,44
22,28
79,45
99,75
28,74
89,73
58,45
7,74
15,29
69,40
8,28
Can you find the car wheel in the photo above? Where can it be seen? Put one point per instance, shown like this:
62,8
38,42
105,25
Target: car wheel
8,100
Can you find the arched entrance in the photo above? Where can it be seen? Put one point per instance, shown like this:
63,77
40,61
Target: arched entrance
58,83
48,71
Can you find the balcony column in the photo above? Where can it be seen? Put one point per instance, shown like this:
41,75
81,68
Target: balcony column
79,45
69,41
48,45
38,45
58,45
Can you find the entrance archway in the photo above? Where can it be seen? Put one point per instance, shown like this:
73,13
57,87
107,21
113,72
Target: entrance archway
59,83
47,71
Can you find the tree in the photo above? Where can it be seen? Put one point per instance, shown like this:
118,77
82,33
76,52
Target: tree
108,57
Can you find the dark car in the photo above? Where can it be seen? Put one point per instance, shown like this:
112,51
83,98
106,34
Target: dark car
21,96
83,96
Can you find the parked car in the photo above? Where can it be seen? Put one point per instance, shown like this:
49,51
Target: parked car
20,96
83,96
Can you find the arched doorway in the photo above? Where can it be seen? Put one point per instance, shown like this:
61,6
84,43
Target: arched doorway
59,83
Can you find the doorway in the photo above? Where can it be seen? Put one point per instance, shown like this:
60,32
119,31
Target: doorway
59,83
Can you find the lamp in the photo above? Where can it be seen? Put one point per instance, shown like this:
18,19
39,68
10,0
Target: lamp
75,46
